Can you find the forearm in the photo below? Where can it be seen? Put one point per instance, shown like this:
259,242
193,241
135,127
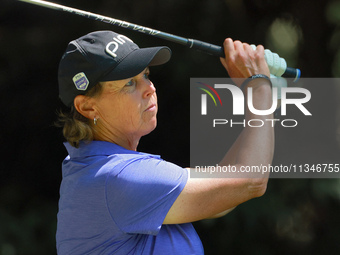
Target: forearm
255,145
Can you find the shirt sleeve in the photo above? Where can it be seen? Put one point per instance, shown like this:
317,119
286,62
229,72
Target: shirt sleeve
141,194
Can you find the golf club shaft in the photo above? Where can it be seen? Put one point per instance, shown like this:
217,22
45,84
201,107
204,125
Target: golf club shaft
191,43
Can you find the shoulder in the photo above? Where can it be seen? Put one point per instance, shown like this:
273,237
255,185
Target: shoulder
140,167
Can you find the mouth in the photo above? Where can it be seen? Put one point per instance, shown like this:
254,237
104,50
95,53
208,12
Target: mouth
152,107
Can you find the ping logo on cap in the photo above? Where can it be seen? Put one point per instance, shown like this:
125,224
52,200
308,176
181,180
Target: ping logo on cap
81,81
113,46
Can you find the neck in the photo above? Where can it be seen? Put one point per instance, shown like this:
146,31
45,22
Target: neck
129,142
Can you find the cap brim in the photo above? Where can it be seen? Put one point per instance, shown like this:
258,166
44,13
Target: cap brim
134,63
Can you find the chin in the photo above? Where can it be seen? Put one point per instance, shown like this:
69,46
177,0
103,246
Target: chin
151,127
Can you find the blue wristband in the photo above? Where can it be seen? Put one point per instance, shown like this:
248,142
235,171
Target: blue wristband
253,77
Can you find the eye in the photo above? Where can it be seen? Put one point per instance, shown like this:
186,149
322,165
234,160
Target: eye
146,75
132,82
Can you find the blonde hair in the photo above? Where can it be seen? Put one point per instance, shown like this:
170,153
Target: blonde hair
75,126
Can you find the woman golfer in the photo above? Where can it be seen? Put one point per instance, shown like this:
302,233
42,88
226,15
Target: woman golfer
116,200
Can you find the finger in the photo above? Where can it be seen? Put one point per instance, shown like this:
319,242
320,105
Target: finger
259,53
261,61
224,63
228,47
247,48
238,46
260,50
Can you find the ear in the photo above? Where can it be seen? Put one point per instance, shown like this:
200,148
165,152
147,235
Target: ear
84,105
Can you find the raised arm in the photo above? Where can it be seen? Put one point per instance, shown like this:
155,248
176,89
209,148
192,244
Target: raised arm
207,197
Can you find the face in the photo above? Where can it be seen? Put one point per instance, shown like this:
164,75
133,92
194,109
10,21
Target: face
127,108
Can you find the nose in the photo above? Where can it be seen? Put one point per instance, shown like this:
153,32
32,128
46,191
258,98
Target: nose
149,88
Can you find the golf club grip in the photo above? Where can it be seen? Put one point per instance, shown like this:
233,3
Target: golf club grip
218,51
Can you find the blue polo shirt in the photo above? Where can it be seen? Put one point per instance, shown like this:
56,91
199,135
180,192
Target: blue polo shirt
114,201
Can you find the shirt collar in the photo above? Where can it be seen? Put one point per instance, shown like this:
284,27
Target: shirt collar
96,148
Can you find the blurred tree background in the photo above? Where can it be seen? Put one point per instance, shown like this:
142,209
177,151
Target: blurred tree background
295,216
